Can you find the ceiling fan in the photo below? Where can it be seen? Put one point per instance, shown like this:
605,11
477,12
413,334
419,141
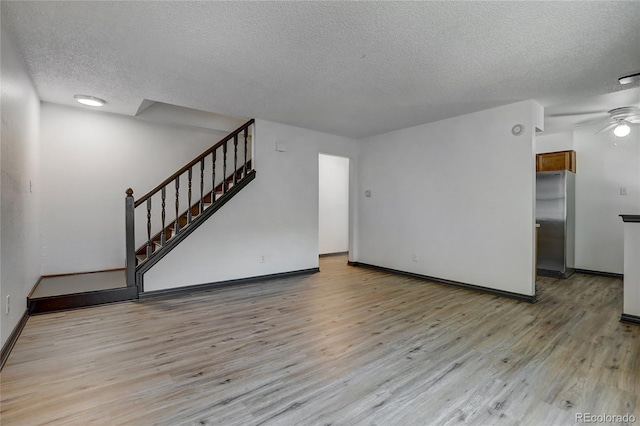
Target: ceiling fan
591,111
620,120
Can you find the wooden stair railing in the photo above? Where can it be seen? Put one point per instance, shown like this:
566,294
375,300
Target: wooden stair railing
214,192
158,240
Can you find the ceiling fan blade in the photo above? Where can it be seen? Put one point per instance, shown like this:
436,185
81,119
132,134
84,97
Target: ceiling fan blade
593,122
609,127
633,119
577,114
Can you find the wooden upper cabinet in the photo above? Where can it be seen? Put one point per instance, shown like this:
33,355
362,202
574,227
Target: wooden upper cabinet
552,161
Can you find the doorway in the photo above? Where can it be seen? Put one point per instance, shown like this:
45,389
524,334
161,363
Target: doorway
333,214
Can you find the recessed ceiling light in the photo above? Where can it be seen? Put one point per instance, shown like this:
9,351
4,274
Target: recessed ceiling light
628,79
90,100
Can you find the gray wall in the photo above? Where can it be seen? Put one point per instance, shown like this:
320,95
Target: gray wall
19,204
91,159
271,226
453,199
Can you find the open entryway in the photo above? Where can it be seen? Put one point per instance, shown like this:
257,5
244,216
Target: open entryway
333,217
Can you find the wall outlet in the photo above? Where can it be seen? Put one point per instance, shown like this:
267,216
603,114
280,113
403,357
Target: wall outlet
415,257
367,193
623,190
263,259
7,307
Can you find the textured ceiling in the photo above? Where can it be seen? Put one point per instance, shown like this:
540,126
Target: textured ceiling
349,68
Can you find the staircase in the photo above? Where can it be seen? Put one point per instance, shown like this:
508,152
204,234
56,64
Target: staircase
202,187
188,217
220,173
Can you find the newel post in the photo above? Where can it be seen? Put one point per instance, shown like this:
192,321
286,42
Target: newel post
129,205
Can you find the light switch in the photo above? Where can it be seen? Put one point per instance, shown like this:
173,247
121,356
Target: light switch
623,190
367,193
281,147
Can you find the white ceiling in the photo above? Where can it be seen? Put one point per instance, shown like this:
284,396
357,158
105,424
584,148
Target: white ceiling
349,68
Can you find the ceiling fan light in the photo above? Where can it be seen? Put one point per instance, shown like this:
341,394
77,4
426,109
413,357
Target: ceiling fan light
90,100
622,130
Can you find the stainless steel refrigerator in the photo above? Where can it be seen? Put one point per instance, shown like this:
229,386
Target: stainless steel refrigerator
555,212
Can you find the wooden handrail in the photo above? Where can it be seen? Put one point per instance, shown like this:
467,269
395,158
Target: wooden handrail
193,162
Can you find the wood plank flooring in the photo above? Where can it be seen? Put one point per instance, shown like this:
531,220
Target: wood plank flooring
346,346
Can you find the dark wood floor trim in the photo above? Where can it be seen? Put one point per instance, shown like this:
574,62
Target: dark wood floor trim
338,253
13,338
630,319
170,292
502,293
600,273
65,302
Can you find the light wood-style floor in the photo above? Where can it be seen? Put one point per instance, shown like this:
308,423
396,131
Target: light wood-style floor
347,346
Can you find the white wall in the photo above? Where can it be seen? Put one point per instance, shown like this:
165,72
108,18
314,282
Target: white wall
275,216
458,193
19,163
554,142
89,159
333,220
604,165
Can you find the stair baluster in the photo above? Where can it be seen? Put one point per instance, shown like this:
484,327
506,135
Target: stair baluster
163,235
224,168
244,168
189,177
177,223
148,227
201,205
213,177
235,159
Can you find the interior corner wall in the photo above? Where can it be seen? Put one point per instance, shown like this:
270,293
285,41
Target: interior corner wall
452,199
605,164
89,159
269,227
19,204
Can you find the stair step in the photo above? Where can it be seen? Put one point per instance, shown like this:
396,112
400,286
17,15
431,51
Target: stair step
204,207
80,300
